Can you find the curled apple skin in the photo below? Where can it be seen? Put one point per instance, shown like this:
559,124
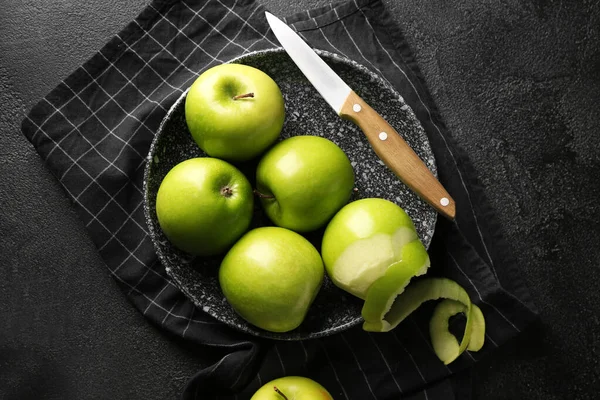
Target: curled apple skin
443,341
412,297
414,261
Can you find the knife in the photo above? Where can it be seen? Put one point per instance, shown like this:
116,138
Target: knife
389,146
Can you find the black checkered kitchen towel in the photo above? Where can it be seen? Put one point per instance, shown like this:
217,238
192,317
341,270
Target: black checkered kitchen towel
94,131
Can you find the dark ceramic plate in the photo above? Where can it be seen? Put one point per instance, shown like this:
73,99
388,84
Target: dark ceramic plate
306,114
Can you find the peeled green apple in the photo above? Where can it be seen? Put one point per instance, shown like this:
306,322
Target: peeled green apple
234,112
270,277
303,181
292,388
371,249
204,205
364,239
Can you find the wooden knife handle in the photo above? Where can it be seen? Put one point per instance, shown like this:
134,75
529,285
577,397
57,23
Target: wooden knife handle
398,155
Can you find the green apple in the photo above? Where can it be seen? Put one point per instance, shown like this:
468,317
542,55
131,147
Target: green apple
364,239
234,112
303,181
204,205
271,276
292,388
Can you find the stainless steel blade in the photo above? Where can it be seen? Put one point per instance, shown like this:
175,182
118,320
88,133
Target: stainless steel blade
329,85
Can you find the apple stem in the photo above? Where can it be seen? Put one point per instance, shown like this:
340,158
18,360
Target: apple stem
279,392
262,195
226,191
243,96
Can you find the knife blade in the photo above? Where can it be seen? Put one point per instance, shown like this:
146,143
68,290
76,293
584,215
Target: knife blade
387,143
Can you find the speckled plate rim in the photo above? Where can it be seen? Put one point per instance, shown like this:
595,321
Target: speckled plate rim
147,169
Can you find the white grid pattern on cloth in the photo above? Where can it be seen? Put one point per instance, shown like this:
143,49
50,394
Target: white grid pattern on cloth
358,364
159,299
337,378
386,362
151,301
280,360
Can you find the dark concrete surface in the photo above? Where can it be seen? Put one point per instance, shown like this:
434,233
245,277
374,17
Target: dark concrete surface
518,83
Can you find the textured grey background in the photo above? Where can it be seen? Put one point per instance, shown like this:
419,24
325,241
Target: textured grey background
518,84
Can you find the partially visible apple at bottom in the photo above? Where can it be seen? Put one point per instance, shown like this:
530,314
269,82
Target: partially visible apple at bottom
292,388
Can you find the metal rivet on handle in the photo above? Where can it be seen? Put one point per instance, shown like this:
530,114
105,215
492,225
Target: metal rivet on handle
382,135
444,201
356,108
